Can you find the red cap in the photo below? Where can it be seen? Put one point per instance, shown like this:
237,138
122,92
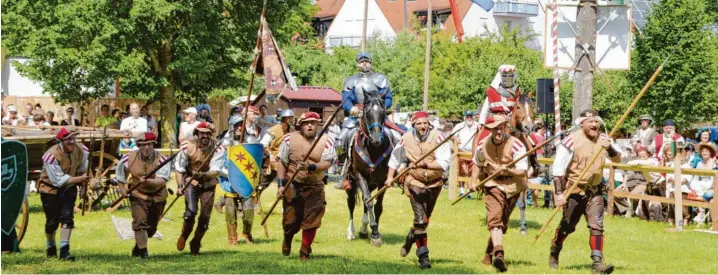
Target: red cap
418,115
148,137
642,148
205,127
66,133
254,109
309,116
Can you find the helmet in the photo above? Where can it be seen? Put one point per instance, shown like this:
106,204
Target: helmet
361,56
287,113
233,120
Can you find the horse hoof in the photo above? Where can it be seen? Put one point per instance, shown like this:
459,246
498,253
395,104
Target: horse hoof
523,232
363,235
350,237
376,242
403,252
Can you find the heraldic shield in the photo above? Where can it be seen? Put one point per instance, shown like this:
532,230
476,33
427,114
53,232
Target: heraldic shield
245,167
14,182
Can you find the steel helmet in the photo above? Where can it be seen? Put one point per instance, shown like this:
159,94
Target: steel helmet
233,120
361,56
287,113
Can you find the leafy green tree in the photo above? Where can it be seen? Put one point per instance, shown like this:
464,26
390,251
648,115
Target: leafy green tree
167,49
687,89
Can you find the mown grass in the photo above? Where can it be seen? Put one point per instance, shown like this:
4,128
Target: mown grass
457,238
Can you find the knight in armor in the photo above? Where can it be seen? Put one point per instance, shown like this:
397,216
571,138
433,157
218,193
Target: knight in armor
233,202
148,200
275,134
356,87
501,96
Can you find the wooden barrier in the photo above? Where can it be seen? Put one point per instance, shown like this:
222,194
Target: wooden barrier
163,151
612,194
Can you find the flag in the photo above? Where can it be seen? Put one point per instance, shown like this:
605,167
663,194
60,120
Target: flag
487,5
270,63
245,167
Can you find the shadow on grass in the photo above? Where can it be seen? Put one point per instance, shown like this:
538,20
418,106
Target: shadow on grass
579,267
391,238
513,262
529,224
220,261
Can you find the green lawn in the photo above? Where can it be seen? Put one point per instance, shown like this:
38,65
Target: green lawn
457,237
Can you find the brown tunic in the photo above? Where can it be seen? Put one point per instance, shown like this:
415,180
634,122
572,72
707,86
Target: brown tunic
414,150
69,165
138,168
298,147
583,150
196,156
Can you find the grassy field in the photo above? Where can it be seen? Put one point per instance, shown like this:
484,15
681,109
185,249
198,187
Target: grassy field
457,237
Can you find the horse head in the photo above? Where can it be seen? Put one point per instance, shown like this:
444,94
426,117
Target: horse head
521,119
373,118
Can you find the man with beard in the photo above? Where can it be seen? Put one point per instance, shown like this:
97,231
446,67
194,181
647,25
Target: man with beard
193,154
423,182
572,155
304,203
64,167
231,200
148,200
503,191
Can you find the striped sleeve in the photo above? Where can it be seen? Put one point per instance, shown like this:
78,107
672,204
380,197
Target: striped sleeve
57,177
441,137
329,153
568,143
519,149
84,148
165,171
48,158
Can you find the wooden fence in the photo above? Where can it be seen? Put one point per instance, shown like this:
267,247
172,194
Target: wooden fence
455,178
220,108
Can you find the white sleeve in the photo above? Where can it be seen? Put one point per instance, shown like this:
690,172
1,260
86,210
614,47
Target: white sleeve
143,125
561,161
85,154
329,152
523,164
58,178
218,158
124,125
265,139
443,154
484,113
284,150
165,171
398,156
121,171
181,162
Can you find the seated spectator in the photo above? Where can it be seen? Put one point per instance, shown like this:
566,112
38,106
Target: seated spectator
637,182
266,120
669,135
13,118
105,118
204,113
127,143
186,130
50,118
669,180
700,185
69,120
151,122
28,114
704,137
134,123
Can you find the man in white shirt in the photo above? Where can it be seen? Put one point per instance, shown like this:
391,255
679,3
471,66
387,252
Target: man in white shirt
134,123
466,130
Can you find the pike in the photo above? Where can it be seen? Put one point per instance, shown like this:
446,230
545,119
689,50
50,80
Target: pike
113,207
311,148
194,175
98,174
89,170
512,163
613,132
383,189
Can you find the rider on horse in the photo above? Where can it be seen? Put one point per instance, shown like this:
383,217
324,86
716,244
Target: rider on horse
501,96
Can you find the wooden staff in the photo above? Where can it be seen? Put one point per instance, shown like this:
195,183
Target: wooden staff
98,174
89,170
151,173
194,175
49,137
512,163
420,159
595,156
311,148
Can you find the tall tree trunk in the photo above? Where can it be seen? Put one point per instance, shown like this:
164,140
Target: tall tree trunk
168,114
583,88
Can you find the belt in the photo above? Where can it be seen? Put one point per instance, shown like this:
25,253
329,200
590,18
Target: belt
502,177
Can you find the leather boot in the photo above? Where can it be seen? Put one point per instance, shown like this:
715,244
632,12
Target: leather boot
598,266
65,254
135,251
143,254
230,234
287,245
51,252
553,257
182,240
408,243
304,252
423,254
196,241
488,255
499,262
247,232
234,234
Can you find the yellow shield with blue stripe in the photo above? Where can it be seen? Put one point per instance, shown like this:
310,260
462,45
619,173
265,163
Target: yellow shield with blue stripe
245,167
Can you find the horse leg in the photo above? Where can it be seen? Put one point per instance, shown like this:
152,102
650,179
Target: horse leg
378,209
351,203
522,211
368,205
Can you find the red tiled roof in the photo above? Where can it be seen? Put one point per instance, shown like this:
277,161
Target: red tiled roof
328,8
313,93
394,10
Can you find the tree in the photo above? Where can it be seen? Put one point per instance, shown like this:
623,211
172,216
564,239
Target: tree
169,49
687,89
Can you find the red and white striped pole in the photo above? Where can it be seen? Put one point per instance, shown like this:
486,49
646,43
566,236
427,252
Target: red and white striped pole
557,105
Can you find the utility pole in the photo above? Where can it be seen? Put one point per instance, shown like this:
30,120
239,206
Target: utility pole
427,60
586,53
363,31
406,15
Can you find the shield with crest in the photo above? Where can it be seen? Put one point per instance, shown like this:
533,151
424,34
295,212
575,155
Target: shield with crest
245,167
14,182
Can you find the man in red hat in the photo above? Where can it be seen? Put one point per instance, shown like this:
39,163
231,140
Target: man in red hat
502,192
572,155
304,203
64,167
201,190
423,182
148,200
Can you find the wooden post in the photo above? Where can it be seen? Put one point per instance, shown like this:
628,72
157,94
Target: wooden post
611,184
364,25
677,194
427,60
714,208
454,170
583,86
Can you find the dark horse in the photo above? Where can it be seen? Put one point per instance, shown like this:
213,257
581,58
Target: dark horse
370,150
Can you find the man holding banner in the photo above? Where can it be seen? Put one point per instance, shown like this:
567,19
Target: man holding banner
201,190
148,200
304,203
240,173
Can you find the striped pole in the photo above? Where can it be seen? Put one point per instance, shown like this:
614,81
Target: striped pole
557,105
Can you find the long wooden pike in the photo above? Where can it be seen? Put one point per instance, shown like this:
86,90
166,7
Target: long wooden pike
89,173
151,173
512,163
194,175
595,155
420,159
98,174
311,148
